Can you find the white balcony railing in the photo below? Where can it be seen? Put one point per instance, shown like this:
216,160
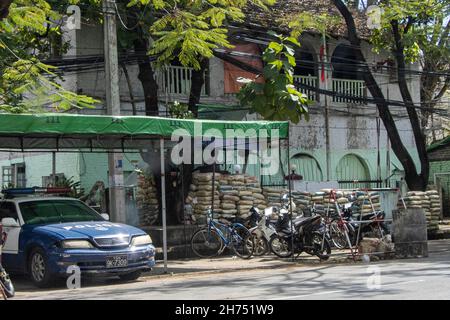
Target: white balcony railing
175,80
349,88
309,81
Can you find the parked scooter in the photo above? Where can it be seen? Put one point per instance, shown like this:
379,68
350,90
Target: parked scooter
264,229
306,234
6,286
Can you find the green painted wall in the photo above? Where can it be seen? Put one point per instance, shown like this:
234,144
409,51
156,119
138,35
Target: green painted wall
442,167
39,165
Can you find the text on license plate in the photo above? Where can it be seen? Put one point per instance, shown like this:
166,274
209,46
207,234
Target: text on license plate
116,262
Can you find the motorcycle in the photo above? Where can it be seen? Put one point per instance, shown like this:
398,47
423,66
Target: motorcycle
6,287
264,229
303,234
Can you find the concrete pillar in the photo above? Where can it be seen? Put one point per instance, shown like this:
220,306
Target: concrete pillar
409,233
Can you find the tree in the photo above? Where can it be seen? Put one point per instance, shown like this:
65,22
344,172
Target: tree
426,40
4,8
27,84
276,98
189,31
399,20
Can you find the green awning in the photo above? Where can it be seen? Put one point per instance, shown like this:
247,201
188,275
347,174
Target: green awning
72,131
439,144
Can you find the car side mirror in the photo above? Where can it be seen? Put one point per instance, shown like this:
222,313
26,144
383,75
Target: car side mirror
10,223
105,216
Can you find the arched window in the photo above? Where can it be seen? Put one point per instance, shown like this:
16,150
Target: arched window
308,167
345,64
347,75
352,168
305,72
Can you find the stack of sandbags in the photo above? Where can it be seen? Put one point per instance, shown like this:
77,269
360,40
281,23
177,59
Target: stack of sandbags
435,210
245,203
369,202
202,195
229,197
147,200
413,199
273,196
302,200
259,200
317,200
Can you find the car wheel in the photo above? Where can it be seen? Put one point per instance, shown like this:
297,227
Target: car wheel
130,276
38,268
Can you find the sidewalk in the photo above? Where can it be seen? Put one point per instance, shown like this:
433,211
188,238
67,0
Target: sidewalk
225,264
234,264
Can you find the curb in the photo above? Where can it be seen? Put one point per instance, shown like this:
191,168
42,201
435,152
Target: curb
287,264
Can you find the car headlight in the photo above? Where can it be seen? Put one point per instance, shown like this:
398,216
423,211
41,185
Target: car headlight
141,240
76,244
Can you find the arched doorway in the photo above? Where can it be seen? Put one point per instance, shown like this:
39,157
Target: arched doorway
305,72
352,168
308,167
347,74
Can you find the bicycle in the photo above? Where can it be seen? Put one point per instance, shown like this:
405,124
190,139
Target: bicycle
212,240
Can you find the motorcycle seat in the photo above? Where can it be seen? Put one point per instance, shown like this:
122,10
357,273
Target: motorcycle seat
302,221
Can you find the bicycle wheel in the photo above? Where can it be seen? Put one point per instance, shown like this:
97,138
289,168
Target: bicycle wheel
206,243
337,234
242,242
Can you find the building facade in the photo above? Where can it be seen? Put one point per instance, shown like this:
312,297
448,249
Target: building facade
344,140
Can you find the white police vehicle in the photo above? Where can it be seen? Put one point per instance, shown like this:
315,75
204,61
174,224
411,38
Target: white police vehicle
46,235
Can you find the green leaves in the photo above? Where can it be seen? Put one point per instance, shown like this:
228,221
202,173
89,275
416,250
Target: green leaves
26,35
190,30
276,98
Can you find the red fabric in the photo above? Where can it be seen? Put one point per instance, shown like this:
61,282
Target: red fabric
322,67
231,72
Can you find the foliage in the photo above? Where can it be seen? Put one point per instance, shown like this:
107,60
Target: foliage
304,21
76,190
27,84
191,30
276,98
422,24
180,111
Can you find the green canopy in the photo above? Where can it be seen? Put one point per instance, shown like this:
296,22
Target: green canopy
73,131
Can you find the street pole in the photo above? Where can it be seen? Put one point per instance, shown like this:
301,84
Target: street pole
327,112
163,202
115,160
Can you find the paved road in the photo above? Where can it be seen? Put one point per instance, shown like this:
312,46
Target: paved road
400,279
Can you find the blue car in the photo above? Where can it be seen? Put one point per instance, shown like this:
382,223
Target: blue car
47,235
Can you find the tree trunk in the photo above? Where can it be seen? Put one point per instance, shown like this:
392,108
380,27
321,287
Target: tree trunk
419,137
147,77
412,178
197,82
4,8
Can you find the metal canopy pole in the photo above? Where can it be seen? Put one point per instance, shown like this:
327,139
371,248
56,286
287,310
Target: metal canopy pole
163,202
53,169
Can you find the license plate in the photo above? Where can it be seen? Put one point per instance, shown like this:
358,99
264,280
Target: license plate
117,262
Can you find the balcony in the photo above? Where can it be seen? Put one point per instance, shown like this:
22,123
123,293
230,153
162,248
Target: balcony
347,87
309,81
176,80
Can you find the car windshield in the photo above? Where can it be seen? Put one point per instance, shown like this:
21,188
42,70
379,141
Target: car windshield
57,211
